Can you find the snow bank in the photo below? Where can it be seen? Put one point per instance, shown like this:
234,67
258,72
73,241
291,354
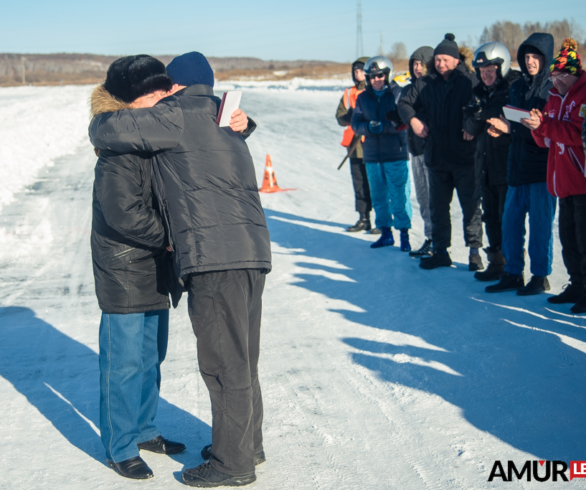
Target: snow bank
38,125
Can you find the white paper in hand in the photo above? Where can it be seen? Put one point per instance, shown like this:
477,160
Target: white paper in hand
230,102
515,114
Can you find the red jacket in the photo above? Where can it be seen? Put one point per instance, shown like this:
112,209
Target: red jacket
560,131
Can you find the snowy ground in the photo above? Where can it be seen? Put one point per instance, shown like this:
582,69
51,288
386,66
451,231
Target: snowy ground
375,373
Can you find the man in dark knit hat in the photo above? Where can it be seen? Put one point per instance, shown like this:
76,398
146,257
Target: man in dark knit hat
434,110
133,276
206,184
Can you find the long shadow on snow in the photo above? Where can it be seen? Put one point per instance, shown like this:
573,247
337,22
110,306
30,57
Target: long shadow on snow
514,368
60,377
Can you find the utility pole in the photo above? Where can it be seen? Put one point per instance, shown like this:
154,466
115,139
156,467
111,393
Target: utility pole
23,59
381,49
359,47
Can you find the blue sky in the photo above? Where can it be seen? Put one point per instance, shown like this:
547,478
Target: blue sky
301,29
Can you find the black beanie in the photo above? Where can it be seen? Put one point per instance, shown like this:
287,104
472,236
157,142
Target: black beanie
132,77
448,46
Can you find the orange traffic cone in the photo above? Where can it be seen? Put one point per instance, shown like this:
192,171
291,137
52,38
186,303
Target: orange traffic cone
269,180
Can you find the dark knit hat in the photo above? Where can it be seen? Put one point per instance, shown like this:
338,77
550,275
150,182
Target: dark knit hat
567,60
132,77
448,46
191,69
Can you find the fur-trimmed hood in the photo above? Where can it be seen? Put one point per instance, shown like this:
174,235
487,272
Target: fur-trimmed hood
466,59
102,101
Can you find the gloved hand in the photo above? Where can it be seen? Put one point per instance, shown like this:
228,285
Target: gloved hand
375,127
394,117
474,109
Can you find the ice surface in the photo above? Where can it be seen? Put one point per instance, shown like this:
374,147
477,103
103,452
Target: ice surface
375,373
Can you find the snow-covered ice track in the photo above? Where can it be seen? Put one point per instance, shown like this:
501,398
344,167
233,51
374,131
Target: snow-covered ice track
375,374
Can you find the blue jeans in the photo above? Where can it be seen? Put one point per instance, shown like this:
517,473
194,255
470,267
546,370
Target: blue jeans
132,348
390,191
540,204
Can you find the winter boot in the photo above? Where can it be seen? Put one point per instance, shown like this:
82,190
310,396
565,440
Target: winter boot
537,284
424,250
385,240
571,294
405,245
508,282
205,475
475,262
363,224
375,231
440,258
496,266
259,458
580,306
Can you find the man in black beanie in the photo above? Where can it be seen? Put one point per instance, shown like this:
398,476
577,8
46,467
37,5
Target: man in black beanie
434,110
205,181
133,276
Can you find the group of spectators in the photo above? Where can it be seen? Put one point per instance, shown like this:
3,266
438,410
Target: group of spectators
451,119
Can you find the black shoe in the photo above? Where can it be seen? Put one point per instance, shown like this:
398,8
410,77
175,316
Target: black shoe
162,446
435,261
571,294
508,282
363,224
134,468
580,306
259,458
205,475
424,250
536,285
375,231
492,273
475,263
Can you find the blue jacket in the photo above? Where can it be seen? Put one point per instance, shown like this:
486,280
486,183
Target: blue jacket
390,145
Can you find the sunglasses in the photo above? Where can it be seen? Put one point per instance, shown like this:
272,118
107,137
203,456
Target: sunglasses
378,75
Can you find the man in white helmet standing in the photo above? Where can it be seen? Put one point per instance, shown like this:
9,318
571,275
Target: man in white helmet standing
385,152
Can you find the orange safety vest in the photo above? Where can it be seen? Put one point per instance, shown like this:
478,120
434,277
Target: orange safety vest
349,100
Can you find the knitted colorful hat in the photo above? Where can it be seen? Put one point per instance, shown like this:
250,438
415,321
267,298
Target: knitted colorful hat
567,59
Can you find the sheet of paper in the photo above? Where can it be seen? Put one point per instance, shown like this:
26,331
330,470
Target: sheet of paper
230,102
514,114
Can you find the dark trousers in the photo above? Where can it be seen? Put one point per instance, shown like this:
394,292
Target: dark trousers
441,189
573,237
225,310
493,206
361,188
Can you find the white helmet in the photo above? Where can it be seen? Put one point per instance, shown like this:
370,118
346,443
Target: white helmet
376,65
492,53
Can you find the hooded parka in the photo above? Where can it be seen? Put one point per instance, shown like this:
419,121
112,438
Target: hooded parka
132,269
439,104
527,163
204,179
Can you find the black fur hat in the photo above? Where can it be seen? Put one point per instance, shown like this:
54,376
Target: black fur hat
134,76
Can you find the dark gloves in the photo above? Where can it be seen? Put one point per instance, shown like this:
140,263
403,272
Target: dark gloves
474,108
375,127
394,117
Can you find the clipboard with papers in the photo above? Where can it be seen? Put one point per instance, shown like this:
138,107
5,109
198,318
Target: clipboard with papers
515,114
230,102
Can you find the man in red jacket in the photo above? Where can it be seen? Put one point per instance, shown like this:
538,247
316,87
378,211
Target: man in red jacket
559,128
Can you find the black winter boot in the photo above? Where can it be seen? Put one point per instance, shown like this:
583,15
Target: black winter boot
580,306
363,224
537,285
259,458
205,475
424,250
571,294
134,468
475,262
438,259
496,266
508,282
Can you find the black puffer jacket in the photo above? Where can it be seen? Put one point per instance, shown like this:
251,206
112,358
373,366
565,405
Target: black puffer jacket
423,54
205,180
491,153
390,145
527,161
132,269
439,104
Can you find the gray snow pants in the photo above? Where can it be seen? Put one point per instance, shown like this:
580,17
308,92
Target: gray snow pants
225,311
421,181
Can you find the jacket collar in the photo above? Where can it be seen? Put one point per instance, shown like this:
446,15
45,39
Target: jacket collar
198,89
